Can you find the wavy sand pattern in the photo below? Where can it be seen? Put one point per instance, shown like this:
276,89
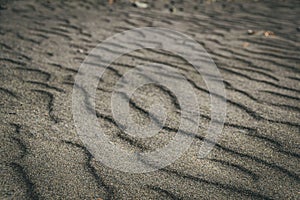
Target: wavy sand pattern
42,45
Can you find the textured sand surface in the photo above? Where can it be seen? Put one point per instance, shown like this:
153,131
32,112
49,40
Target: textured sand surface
42,45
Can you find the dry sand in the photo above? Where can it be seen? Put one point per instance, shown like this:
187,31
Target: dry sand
42,45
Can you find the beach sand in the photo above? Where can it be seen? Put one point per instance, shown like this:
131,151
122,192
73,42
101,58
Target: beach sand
255,45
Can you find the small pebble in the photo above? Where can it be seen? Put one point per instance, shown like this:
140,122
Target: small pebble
79,50
140,4
250,32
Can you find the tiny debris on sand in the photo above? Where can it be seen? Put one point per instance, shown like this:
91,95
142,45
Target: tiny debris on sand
139,4
269,33
251,32
246,44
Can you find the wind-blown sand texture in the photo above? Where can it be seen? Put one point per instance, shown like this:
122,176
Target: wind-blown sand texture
42,46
